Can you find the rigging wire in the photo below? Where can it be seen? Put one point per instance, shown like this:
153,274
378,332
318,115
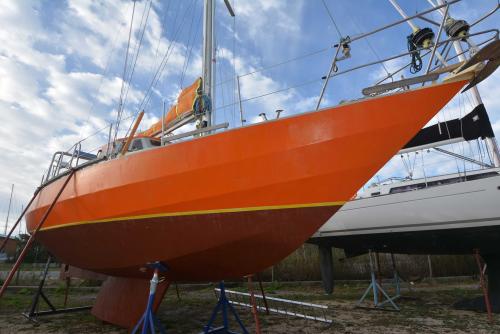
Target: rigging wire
265,68
100,130
192,36
423,167
302,84
164,61
218,55
332,19
234,64
124,75
138,47
367,40
164,21
156,77
103,75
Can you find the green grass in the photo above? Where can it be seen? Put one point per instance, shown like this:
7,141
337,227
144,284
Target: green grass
427,311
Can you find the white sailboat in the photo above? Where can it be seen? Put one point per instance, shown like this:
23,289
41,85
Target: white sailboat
446,214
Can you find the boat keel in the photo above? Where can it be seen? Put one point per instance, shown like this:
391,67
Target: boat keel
121,301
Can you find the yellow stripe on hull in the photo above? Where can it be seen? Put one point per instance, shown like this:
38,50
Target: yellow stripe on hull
200,212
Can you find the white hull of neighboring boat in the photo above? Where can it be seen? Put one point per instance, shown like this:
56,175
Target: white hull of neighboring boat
469,204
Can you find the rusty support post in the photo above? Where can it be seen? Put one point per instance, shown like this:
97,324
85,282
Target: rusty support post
32,237
263,294
255,312
132,133
483,284
482,281
177,291
66,291
7,237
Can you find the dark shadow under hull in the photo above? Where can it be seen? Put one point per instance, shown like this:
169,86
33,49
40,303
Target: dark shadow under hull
445,241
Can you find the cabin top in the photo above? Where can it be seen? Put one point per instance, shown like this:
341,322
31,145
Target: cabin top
394,186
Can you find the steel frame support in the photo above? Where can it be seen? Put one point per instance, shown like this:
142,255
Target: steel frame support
33,234
255,312
376,288
32,314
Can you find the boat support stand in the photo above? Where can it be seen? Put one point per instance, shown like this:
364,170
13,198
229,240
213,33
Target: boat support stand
149,321
223,305
32,314
483,283
378,291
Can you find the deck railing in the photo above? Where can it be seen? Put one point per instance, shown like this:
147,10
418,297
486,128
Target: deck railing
63,161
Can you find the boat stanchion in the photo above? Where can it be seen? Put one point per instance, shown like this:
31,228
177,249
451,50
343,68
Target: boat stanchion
149,322
378,292
222,306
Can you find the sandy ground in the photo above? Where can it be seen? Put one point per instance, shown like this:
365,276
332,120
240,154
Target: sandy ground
427,308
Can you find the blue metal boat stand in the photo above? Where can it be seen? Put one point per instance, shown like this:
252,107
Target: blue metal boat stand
223,305
149,321
376,289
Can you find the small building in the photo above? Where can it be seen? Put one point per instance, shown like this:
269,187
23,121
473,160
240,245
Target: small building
10,248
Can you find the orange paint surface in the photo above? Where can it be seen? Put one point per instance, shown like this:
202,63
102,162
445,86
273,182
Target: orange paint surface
311,160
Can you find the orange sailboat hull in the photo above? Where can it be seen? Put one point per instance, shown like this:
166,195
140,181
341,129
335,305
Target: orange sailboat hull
232,203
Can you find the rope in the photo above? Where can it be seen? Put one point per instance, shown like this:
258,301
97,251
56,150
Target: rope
416,60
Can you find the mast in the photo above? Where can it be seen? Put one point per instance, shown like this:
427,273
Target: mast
8,211
491,143
209,57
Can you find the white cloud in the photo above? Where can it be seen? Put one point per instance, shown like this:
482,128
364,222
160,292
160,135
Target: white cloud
496,127
256,16
48,98
390,66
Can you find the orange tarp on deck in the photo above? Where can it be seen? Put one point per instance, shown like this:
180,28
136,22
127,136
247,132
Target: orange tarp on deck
183,107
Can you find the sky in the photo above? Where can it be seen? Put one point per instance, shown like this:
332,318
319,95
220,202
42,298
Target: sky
62,64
